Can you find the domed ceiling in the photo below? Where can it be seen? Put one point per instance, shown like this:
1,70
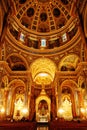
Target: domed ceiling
43,24
43,15
43,28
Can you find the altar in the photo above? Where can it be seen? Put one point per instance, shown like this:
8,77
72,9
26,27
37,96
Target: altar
43,109
43,118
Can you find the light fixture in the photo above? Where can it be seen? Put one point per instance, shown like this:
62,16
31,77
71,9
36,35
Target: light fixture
19,104
43,74
24,110
2,110
60,111
82,110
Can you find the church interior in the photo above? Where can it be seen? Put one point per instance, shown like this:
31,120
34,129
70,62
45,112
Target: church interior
43,60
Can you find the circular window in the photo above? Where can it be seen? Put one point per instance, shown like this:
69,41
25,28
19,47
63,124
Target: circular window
56,12
22,1
30,12
65,2
43,17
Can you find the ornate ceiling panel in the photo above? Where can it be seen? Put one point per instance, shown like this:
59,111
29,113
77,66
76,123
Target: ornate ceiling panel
41,15
43,71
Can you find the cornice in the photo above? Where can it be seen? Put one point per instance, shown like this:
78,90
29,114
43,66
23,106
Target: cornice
46,52
75,74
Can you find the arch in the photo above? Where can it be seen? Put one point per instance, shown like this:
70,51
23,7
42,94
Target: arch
43,70
47,99
69,83
69,62
72,93
12,87
66,107
16,83
20,60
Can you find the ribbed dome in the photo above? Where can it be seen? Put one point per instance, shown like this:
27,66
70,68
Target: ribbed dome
43,24
43,15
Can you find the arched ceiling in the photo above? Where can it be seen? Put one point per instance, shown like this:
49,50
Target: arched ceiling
69,63
43,71
42,15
